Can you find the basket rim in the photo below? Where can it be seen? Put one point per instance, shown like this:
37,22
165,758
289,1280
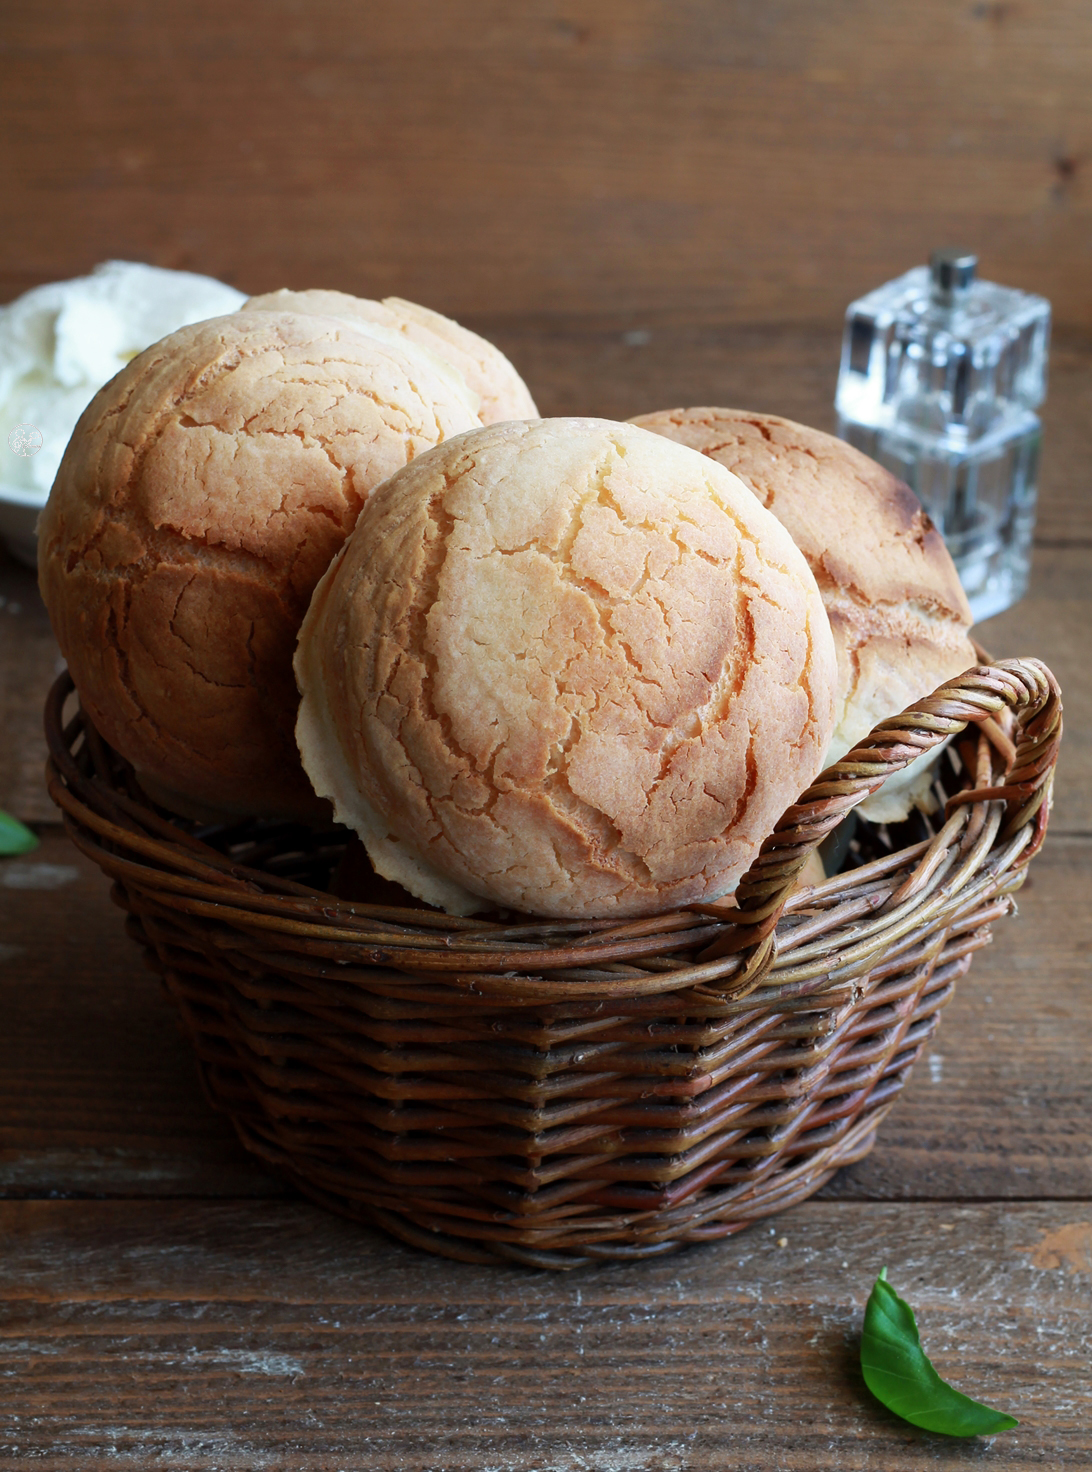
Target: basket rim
995,824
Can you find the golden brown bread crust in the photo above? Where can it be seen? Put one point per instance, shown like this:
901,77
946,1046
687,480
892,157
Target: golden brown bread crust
896,607
501,391
204,492
567,667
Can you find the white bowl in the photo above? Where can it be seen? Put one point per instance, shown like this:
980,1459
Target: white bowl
19,509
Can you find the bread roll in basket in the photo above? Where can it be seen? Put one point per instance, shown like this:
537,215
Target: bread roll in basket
567,668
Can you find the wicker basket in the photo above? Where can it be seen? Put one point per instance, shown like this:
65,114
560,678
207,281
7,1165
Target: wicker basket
552,1092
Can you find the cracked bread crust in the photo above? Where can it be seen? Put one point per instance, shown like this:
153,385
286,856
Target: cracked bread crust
488,373
899,615
567,667
204,492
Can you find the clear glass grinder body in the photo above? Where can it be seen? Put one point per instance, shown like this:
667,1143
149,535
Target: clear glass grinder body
940,378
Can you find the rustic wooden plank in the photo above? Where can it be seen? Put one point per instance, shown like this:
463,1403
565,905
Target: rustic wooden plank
1048,623
271,1335
742,162
29,663
98,1093
1001,1107
98,1087
1065,507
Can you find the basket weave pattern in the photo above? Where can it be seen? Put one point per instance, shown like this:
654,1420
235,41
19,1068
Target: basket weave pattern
551,1092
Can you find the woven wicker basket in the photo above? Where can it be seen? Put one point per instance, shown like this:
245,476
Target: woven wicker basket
552,1092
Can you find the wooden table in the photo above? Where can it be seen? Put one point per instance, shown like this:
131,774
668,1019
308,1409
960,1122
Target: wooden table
165,1302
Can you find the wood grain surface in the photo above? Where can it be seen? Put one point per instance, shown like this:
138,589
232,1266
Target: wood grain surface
646,205
697,160
98,1089
253,1335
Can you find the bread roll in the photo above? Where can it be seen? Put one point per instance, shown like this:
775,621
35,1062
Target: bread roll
502,393
896,607
203,494
565,667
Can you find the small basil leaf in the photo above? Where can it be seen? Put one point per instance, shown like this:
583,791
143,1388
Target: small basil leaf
14,837
898,1373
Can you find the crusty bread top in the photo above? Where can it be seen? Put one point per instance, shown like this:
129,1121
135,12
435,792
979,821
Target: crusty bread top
567,667
204,492
501,392
897,610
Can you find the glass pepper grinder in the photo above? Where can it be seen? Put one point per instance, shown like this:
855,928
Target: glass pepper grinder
941,375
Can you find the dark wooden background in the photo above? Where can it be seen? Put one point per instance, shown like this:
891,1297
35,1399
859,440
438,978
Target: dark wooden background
736,161
646,203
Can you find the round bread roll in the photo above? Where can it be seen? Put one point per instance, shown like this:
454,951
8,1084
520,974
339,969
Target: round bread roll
204,492
502,393
896,607
565,667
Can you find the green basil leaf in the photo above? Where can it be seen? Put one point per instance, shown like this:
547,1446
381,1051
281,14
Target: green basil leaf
898,1373
14,837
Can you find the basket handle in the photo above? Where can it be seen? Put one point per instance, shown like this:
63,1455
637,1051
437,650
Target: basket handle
1024,686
